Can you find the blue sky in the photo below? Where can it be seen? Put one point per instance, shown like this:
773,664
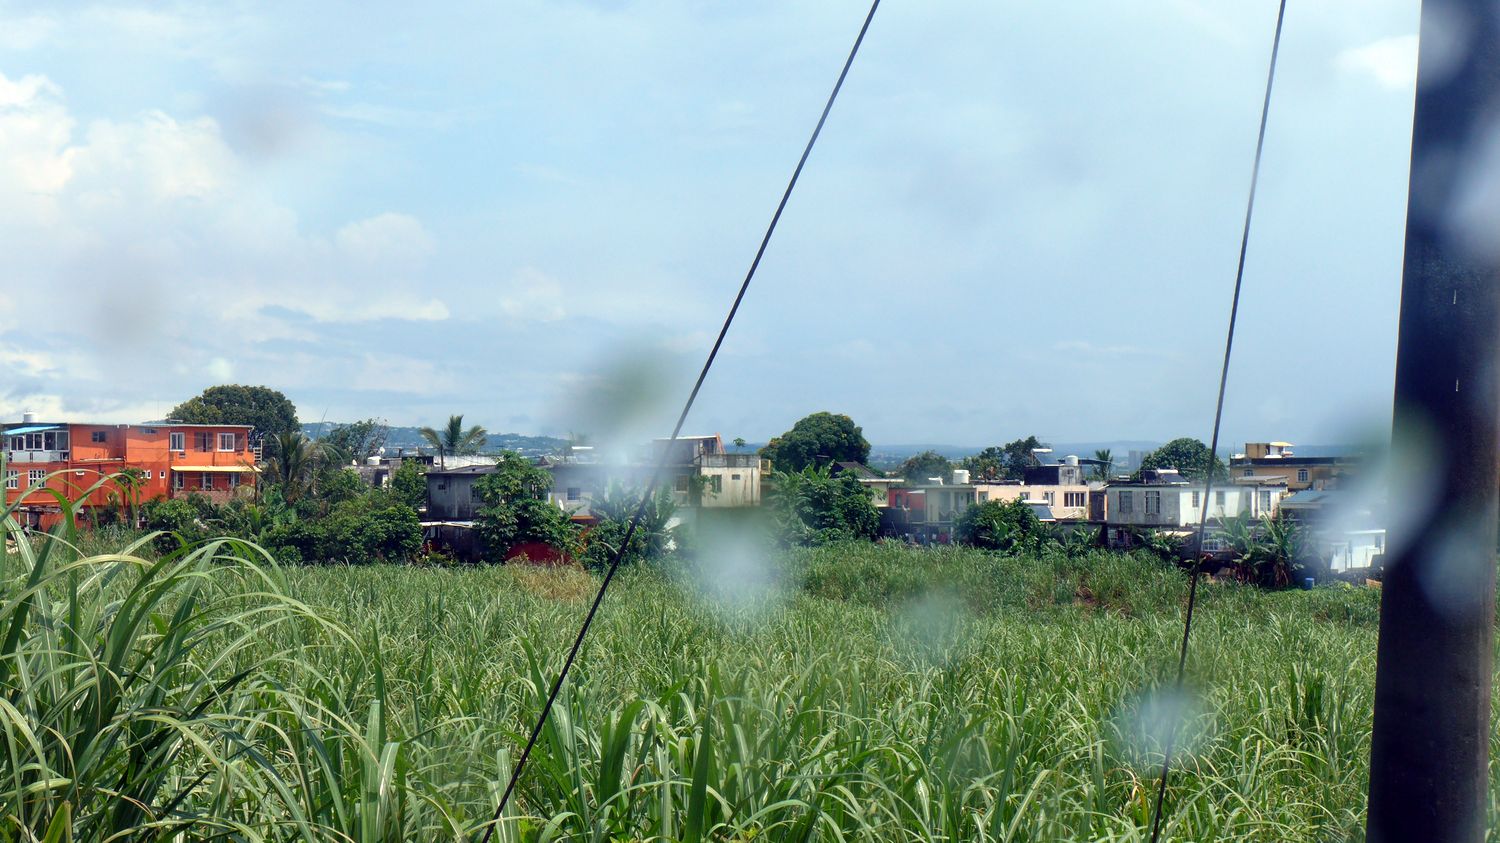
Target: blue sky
1021,218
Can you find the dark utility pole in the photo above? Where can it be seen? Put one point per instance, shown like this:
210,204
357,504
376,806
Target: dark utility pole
1430,752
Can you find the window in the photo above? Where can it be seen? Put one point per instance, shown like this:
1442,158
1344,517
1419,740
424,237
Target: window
681,484
35,476
1219,498
203,441
99,437
1196,499
33,442
984,496
226,441
146,475
1049,497
1265,501
734,477
234,481
178,482
206,481
1075,499
1249,472
1153,503
18,443
177,441
717,482
1127,505
1302,475
575,493
12,479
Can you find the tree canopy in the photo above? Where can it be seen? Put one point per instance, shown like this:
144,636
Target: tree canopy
360,439
1188,455
918,468
265,409
516,510
818,439
1011,527
814,507
1004,462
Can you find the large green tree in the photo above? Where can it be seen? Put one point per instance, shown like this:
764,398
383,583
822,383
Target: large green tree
261,407
818,439
360,440
918,468
516,511
454,440
1187,455
1004,462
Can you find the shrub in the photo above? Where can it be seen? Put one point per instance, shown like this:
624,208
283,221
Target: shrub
1011,527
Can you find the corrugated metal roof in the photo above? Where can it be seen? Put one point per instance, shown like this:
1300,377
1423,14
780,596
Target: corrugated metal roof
36,428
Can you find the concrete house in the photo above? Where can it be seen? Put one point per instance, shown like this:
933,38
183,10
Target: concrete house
1275,461
1165,500
927,511
168,459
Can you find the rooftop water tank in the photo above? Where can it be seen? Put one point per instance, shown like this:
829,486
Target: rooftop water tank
960,476
1071,459
28,417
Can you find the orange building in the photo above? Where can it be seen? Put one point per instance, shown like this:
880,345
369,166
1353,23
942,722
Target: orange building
168,459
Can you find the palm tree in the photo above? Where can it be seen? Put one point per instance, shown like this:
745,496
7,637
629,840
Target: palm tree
1106,465
453,439
293,461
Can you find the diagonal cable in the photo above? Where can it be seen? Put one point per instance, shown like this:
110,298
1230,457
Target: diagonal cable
1213,448
650,491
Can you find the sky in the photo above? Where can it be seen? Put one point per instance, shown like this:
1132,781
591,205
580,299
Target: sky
1022,217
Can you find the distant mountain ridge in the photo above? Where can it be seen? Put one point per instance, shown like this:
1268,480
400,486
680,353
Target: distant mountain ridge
410,438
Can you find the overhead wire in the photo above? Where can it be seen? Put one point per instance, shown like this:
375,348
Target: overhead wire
648,494
1213,448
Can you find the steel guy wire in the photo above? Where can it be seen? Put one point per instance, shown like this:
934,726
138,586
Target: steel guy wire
1213,448
650,490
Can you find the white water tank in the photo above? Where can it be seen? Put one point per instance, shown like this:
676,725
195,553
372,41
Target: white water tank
28,417
1071,459
960,476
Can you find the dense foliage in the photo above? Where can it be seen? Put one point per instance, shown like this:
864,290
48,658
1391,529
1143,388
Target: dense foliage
266,409
358,440
920,468
1003,462
812,506
861,692
516,511
1012,527
818,439
1189,456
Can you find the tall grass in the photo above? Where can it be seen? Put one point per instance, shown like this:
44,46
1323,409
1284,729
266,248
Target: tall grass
876,693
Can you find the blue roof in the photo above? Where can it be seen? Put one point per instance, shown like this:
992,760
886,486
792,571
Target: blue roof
36,428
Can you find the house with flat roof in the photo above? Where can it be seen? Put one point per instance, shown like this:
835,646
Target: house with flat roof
166,459
1276,461
1166,501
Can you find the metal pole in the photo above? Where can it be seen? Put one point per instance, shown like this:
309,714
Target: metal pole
1430,750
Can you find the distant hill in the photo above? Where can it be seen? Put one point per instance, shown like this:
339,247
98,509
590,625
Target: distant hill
410,439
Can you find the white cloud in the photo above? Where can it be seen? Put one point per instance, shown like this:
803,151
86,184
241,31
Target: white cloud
385,237
532,294
25,33
1391,62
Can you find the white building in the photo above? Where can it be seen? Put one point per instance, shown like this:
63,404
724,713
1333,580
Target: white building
1167,502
